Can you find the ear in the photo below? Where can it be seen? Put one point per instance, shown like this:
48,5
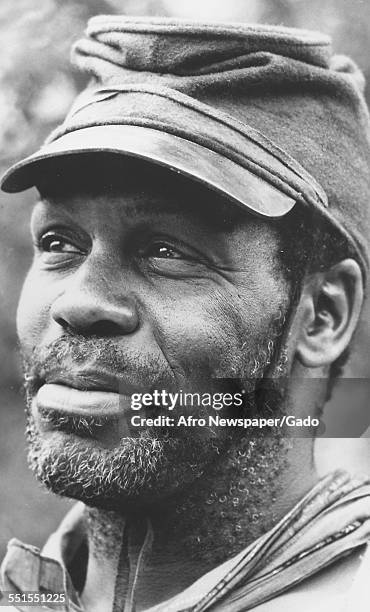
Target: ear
328,313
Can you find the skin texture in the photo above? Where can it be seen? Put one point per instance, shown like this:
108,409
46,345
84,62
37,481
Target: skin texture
164,290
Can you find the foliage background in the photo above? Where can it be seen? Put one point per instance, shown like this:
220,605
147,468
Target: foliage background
37,85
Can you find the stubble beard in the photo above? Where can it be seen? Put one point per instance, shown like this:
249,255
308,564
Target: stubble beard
139,470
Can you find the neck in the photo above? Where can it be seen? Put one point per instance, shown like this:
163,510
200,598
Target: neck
240,497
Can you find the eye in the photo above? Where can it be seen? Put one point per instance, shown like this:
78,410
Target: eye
161,250
55,243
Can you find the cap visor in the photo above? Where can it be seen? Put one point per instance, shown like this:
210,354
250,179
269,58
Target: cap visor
177,154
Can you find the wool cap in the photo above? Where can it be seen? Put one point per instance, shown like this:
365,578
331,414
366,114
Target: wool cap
267,116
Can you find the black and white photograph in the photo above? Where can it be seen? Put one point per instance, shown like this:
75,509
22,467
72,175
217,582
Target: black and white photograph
184,305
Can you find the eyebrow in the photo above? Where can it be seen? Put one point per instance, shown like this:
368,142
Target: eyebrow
208,207
137,207
143,207
163,207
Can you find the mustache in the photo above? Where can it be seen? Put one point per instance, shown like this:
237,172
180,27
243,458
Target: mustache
78,353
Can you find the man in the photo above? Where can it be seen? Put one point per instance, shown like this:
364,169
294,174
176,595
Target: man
202,230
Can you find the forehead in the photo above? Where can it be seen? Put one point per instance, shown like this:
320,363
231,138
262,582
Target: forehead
137,189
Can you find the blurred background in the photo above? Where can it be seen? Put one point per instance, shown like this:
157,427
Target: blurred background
37,85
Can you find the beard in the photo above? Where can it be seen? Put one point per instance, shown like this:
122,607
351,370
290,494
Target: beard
142,468
160,461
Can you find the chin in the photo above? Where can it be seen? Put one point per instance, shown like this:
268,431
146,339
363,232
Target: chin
138,471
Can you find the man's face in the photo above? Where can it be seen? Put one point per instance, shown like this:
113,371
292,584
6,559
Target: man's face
145,286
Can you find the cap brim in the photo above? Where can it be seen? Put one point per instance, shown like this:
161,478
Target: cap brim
177,154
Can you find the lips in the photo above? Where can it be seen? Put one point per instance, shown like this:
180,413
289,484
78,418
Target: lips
86,381
84,393
81,403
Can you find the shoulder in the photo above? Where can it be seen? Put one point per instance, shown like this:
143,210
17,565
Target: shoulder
331,590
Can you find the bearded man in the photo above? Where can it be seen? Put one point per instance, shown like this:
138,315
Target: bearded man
202,228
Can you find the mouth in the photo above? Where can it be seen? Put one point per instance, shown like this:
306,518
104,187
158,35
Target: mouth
76,402
84,394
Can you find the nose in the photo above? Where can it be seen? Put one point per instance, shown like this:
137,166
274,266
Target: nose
90,306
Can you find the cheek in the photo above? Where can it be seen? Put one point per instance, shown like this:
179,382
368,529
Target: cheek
204,334
33,313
